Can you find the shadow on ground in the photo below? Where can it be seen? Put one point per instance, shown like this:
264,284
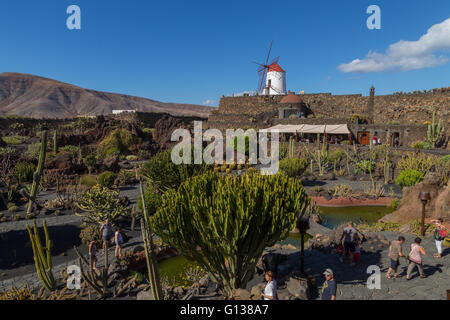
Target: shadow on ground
16,250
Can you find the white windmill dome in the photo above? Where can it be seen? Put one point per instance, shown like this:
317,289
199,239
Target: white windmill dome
275,80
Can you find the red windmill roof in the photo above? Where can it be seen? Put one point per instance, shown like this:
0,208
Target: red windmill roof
275,67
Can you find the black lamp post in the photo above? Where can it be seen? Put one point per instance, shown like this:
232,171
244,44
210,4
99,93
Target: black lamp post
424,197
303,226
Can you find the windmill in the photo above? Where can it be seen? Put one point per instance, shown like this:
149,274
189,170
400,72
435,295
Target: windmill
276,82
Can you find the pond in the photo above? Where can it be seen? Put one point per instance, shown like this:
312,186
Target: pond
333,217
174,269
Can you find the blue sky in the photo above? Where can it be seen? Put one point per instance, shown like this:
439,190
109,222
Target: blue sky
193,51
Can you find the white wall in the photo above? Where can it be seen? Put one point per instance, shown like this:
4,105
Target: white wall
278,83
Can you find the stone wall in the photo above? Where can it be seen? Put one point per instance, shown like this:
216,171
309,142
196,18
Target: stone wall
400,108
411,107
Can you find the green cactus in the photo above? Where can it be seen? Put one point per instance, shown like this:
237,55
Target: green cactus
37,174
152,264
99,203
42,257
55,143
291,147
434,131
225,222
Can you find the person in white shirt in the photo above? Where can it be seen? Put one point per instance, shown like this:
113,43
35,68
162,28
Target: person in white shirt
270,291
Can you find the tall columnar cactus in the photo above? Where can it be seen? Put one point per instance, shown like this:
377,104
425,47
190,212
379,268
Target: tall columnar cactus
152,264
55,143
434,131
38,173
291,147
42,257
225,222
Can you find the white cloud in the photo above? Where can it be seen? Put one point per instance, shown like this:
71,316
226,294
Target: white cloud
209,102
407,55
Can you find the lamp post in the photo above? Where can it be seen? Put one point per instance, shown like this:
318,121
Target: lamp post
424,197
303,226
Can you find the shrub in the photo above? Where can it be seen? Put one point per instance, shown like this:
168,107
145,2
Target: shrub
72,150
342,190
132,158
445,160
164,174
34,150
14,140
118,140
232,220
365,166
89,233
24,171
7,151
148,130
13,208
99,204
106,179
337,156
394,204
126,177
409,178
421,163
88,180
239,148
152,200
90,161
113,151
293,167
420,145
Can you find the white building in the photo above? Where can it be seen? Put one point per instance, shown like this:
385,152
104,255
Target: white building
275,80
123,111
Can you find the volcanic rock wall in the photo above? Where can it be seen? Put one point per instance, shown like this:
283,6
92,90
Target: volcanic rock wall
399,108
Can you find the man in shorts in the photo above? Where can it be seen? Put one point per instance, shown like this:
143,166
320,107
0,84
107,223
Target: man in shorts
106,231
348,235
395,252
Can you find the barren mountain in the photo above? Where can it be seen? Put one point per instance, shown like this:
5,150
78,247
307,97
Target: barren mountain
37,97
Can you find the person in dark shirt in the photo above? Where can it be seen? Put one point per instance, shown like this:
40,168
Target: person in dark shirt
329,287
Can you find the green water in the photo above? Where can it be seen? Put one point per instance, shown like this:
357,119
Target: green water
174,269
333,217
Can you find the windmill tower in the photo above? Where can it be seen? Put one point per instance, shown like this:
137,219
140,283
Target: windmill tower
272,78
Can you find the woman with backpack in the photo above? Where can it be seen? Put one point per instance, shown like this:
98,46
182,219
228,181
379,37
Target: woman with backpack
415,258
440,233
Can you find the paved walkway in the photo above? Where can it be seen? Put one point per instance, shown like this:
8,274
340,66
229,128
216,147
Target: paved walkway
352,281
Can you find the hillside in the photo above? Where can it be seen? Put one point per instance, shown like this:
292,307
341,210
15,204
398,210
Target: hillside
37,97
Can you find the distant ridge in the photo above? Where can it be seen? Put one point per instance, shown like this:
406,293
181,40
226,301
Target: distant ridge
38,97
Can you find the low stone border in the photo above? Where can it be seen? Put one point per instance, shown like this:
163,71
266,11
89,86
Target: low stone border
351,202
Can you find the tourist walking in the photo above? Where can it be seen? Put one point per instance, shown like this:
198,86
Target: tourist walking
357,253
93,254
415,258
329,287
440,233
118,240
395,252
106,231
348,235
270,291
396,142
